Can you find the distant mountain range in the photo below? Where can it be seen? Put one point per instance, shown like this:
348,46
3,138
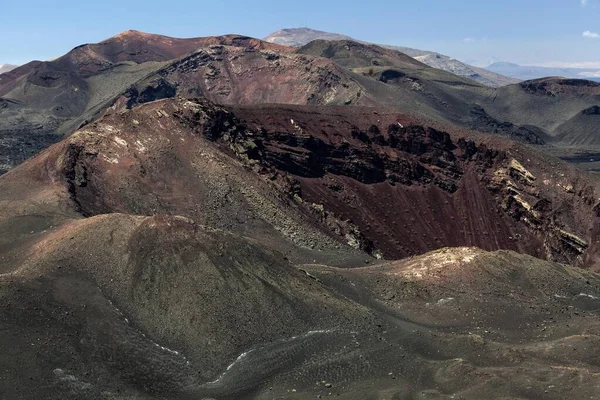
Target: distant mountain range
527,72
7,67
297,37
41,102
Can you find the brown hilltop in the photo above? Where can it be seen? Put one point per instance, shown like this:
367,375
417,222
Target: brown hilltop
235,75
42,101
138,47
128,47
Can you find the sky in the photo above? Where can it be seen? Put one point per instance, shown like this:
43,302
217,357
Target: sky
529,32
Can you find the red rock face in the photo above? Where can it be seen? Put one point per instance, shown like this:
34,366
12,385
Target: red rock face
411,189
247,75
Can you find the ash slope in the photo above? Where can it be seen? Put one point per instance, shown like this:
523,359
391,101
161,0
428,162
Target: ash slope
577,131
168,251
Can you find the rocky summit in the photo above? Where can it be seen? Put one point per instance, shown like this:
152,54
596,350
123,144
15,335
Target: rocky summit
228,218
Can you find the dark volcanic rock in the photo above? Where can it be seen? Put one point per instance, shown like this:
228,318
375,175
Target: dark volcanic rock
482,121
156,90
423,183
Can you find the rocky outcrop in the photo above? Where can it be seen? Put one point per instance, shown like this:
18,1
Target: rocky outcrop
480,120
155,90
521,198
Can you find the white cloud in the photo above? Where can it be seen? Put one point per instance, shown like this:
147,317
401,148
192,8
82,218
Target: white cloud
590,74
468,40
589,65
590,35
584,2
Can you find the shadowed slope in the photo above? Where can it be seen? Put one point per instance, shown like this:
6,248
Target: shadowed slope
582,130
152,304
482,325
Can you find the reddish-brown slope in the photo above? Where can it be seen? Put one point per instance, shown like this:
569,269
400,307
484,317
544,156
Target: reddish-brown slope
238,75
150,161
43,101
411,189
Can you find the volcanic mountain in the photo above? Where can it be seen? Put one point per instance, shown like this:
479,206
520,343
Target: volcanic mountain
182,249
298,37
42,101
7,67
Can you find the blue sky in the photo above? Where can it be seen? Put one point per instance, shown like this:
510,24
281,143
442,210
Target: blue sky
522,31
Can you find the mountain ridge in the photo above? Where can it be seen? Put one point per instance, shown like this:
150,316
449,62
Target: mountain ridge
298,37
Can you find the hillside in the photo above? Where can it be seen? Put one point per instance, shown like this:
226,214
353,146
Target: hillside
581,130
545,103
43,101
339,163
481,75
